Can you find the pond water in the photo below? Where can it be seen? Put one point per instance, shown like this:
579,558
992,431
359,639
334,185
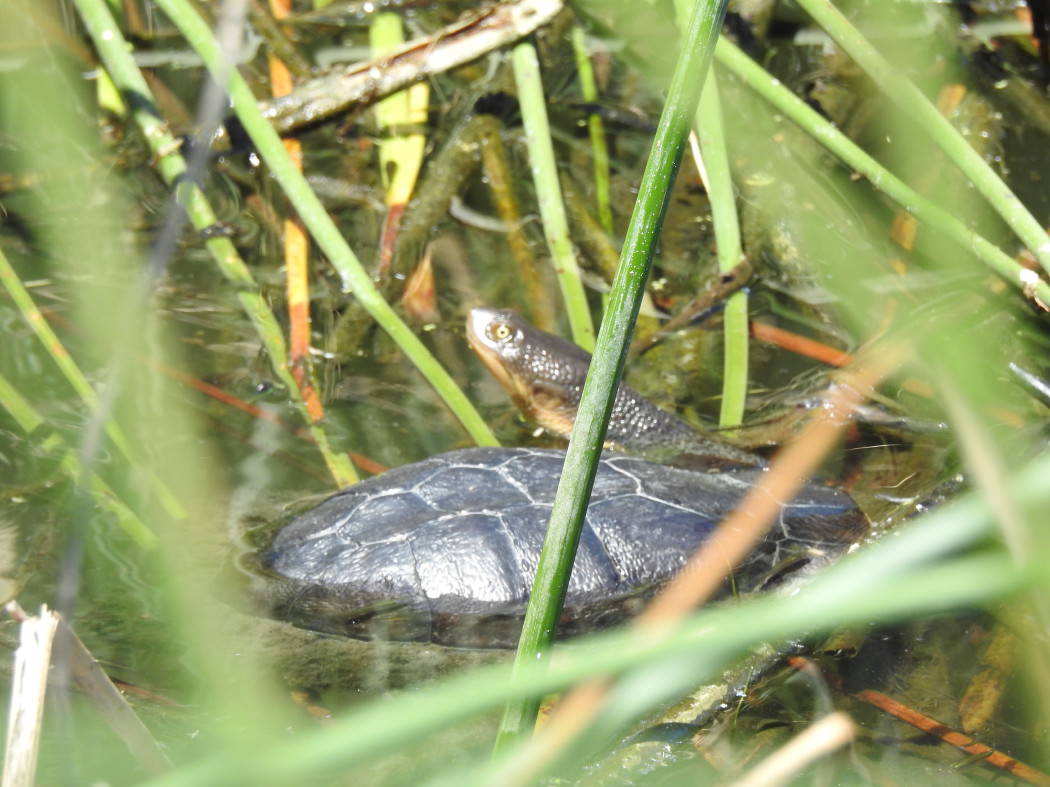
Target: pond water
194,388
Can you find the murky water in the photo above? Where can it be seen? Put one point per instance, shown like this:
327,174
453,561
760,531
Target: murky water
824,265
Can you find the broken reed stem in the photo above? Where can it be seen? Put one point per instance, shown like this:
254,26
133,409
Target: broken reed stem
96,685
32,664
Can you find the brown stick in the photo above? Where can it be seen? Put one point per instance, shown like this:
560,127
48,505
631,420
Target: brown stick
957,739
801,345
748,522
717,292
362,84
943,732
296,247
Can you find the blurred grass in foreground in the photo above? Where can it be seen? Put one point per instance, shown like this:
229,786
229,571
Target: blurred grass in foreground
77,240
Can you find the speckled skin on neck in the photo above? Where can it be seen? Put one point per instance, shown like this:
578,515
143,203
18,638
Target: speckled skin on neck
544,376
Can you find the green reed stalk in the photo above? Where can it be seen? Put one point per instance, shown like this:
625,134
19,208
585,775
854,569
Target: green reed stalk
320,225
548,192
710,133
718,178
28,420
169,162
574,489
69,368
926,211
595,129
925,115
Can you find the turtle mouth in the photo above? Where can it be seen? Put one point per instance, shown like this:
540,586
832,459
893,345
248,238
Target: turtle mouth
477,321
478,318
488,350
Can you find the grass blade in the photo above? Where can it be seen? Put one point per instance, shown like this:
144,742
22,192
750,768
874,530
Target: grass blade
925,115
327,236
574,489
770,89
172,167
710,134
548,192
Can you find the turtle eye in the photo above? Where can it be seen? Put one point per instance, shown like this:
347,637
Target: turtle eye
500,331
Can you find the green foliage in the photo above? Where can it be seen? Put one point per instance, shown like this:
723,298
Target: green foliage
78,237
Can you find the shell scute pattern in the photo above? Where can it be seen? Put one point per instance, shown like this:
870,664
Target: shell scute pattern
454,540
465,557
387,568
387,511
465,488
620,481
536,472
645,536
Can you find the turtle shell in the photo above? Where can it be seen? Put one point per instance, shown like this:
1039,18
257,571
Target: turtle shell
445,550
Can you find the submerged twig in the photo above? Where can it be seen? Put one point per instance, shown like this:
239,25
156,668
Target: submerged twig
717,292
943,732
445,173
799,344
497,174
